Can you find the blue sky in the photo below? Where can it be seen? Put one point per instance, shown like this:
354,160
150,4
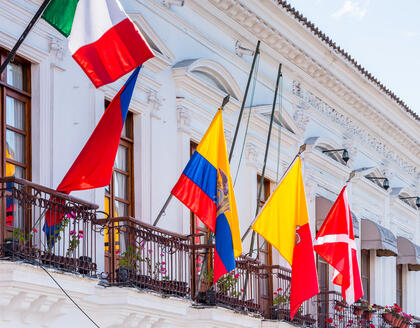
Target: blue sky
382,35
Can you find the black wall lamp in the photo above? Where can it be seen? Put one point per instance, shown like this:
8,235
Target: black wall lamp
345,155
416,197
385,183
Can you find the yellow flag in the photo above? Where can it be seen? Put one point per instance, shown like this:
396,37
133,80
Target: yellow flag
284,212
284,223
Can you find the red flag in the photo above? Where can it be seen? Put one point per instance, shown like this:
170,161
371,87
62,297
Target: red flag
335,243
93,167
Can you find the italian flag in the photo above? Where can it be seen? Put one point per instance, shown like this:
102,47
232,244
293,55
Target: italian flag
102,39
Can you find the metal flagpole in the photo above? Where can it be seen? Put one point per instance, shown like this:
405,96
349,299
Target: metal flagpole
251,246
24,35
302,148
168,200
267,147
238,123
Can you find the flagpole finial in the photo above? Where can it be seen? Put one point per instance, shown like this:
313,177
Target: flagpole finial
302,149
351,176
225,101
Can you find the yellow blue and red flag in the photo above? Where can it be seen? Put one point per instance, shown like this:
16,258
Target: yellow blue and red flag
206,188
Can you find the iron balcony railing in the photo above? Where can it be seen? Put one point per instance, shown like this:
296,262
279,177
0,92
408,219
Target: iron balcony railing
138,254
68,243
143,256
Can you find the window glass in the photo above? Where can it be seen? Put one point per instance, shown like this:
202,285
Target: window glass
121,185
121,161
15,113
15,75
16,146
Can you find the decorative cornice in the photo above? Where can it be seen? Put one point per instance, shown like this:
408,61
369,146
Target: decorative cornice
355,130
264,31
318,33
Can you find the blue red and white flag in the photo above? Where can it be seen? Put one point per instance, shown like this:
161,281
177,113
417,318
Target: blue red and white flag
206,188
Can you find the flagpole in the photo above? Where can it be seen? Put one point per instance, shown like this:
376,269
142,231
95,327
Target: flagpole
168,200
23,36
238,123
302,148
267,147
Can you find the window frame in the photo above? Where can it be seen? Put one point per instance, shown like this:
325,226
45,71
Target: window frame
7,90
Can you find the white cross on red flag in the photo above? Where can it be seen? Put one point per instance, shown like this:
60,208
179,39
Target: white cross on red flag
335,243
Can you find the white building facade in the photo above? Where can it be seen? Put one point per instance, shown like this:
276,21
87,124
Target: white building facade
328,102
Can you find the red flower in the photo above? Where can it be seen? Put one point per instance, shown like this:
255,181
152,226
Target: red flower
34,230
81,231
275,293
371,325
329,320
279,289
117,252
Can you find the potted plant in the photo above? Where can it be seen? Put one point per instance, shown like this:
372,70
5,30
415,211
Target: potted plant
340,305
281,299
127,264
357,310
368,310
406,320
393,315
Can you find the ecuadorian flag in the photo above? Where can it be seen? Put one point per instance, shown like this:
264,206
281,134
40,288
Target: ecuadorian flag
206,188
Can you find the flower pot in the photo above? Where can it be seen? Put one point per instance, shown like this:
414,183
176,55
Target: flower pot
85,263
357,311
208,297
11,247
367,315
396,321
339,307
123,274
274,312
387,317
404,324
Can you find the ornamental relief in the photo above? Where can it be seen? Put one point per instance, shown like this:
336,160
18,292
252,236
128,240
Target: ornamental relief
353,129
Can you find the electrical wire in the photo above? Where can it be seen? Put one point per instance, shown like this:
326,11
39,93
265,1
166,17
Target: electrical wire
65,293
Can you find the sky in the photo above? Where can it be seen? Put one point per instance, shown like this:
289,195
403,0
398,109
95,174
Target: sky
382,35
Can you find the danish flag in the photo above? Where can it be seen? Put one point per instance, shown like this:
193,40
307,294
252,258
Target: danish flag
335,243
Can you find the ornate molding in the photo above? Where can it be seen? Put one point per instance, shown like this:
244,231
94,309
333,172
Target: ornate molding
57,47
266,32
301,117
353,129
155,102
183,117
251,154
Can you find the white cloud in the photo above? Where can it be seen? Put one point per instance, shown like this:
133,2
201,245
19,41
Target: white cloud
411,34
354,8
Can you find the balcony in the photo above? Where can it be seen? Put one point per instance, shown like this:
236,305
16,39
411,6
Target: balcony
69,246
146,257
149,258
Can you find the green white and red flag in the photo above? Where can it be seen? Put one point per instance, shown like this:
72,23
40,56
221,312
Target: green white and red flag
102,39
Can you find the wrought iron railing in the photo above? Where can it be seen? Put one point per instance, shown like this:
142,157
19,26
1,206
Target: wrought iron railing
45,227
240,289
280,308
138,254
332,312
